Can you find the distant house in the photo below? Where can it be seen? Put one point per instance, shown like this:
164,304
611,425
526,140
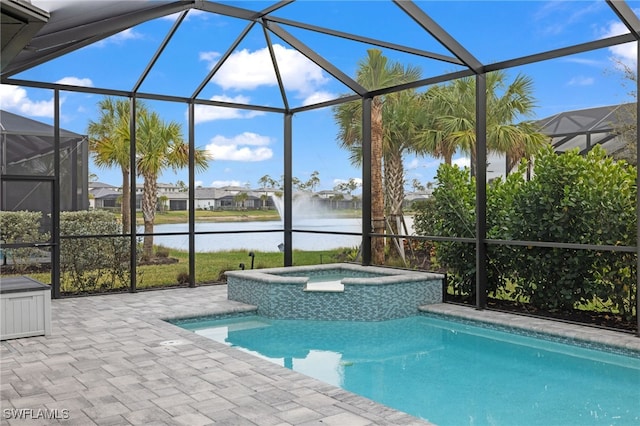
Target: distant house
336,200
412,197
103,195
205,198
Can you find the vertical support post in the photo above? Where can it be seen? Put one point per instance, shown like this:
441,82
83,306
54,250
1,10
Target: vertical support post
366,181
637,199
133,261
84,180
192,196
481,191
55,198
288,189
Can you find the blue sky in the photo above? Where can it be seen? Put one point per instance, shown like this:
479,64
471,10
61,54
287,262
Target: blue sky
247,145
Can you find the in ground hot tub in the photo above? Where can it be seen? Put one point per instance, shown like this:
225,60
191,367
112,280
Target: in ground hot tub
338,291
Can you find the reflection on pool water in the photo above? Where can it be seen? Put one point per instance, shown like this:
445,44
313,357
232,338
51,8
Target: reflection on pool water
447,372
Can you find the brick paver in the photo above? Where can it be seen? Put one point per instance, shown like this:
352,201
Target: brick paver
112,360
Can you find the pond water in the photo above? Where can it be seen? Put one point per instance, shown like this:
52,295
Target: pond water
263,241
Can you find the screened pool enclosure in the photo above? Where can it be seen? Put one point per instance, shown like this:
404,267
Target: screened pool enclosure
316,54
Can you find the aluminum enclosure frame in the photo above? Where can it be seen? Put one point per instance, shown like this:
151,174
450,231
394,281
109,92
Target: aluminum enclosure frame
272,25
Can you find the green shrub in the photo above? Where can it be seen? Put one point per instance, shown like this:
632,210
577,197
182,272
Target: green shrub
575,199
19,227
92,264
571,199
454,213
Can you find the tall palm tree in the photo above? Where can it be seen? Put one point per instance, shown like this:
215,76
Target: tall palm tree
454,119
109,142
160,145
404,119
374,72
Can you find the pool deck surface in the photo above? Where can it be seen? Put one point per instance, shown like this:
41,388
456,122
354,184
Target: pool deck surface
112,360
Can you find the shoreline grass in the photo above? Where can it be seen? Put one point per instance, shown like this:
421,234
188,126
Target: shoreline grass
182,216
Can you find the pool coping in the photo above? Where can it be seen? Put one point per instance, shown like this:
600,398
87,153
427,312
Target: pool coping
387,275
581,335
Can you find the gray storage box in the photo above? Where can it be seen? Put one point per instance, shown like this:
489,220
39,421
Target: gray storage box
25,309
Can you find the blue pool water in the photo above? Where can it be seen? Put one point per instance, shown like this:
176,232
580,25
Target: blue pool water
447,372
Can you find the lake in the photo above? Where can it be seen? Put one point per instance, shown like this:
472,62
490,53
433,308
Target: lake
262,241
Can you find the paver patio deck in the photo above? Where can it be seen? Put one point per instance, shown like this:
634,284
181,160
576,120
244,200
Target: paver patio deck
112,360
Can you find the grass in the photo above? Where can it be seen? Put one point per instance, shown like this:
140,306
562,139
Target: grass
210,266
212,216
231,216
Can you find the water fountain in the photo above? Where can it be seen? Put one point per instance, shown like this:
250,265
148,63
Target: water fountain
305,206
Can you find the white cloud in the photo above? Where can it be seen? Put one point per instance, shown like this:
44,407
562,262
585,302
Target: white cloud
413,164
462,162
76,81
246,138
222,183
193,13
248,70
211,57
198,183
120,38
318,97
581,81
584,61
625,53
246,146
15,98
204,113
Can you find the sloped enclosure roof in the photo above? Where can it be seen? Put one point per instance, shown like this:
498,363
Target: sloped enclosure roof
587,127
76,24
28,138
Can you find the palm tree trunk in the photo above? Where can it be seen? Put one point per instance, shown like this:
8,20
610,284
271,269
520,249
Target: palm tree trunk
149,197
448,158
394,185
377,194
126,201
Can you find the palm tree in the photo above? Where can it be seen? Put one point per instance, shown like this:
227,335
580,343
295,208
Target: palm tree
404,120
241,198
162,202
374,72
109,141
453,127
313,181
265,182
159,146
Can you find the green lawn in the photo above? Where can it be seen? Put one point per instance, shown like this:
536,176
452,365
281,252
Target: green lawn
209,266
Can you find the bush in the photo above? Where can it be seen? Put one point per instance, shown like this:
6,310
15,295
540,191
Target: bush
571,199
574,199
19,227
92,264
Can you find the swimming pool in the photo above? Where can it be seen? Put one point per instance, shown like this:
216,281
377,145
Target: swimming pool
446,372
